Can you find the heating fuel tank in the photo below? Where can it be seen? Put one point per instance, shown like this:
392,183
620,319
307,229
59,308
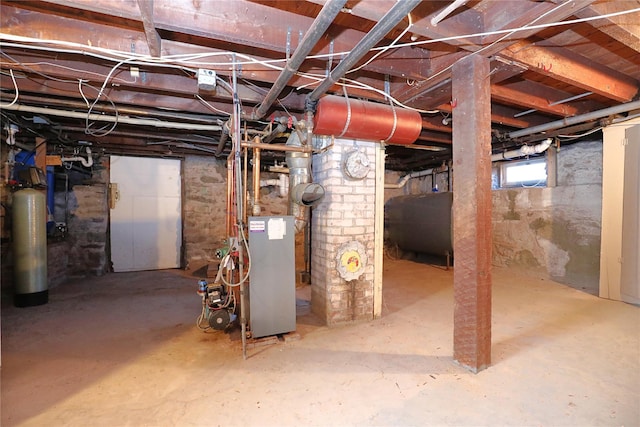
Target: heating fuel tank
420,223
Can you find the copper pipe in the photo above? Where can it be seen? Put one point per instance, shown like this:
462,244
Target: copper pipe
244,186
256,181
229,194
276,147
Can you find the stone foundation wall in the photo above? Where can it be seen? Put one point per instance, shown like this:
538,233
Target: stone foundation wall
345,215
204,207
555,232
88,223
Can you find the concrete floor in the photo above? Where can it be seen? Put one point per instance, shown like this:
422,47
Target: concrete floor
123,350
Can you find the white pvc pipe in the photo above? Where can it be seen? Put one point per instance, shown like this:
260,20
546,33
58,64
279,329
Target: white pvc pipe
525,150
85,162
403,180
282,183
112,119
447,11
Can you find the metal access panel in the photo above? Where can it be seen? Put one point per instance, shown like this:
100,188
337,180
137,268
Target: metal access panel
272,284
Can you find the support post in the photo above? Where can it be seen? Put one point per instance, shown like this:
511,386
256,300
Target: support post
471,102
378,252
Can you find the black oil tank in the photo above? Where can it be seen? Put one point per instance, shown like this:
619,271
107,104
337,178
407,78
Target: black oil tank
420,223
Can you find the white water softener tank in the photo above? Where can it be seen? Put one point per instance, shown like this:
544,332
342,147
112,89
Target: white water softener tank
30,248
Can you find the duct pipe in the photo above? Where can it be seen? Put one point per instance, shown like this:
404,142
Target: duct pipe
525,150
381,29
112,119
618,109
304,193
85,162
326,16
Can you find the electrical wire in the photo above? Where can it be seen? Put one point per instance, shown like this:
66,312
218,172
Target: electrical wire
569,137
15,85
189,58
385,48
106,129
184,61
507,33
201,99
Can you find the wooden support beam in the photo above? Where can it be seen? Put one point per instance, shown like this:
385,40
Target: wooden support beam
624,28
41,154
569,67
153,38
472,213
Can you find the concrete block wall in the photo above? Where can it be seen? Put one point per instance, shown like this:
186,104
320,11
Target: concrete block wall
554,232
346,214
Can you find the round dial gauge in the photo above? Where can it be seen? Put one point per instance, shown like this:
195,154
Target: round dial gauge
356,165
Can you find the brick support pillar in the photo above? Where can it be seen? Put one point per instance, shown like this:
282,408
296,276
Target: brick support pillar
345,219
472,212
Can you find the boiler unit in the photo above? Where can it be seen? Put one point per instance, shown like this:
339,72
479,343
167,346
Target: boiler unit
272,284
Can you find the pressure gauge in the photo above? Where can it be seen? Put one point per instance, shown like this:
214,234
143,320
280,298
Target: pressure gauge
356,164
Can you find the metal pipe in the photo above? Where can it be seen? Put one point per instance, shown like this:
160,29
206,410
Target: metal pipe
618,109
134,111
277,147
381,29
111,119
326,16
447,11
256,181
223,139
245,183
229,195
280,127
571,98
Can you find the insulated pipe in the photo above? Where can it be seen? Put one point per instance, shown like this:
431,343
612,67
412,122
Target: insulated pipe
85,162
381,29
326,16
525,150
618,109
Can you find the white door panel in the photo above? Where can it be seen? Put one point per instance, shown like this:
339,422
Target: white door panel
146,221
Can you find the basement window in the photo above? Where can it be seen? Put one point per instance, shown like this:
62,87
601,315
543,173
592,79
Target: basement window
520,173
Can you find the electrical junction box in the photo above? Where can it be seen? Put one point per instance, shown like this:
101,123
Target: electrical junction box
206,79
